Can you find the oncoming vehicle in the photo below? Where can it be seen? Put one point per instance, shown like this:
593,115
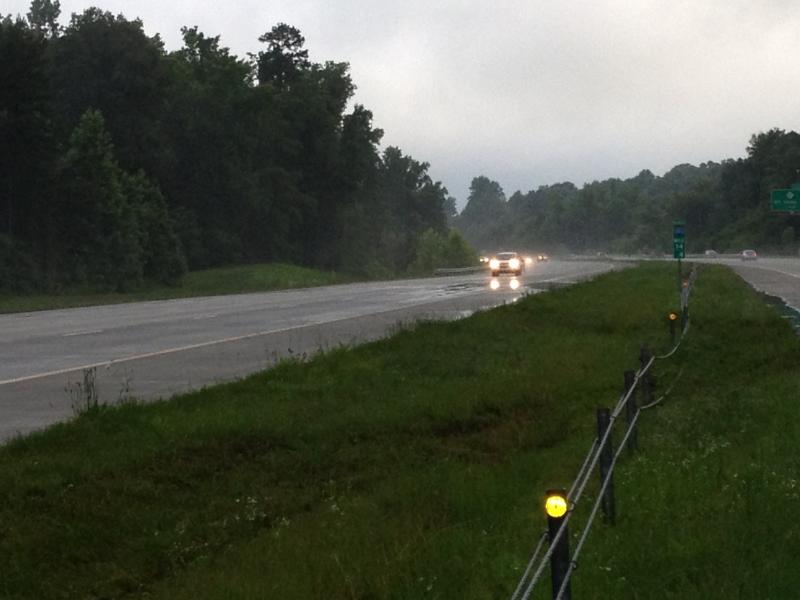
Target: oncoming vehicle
506,262
542,258
749,255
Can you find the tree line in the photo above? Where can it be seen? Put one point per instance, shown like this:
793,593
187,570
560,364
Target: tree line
122,162
725,205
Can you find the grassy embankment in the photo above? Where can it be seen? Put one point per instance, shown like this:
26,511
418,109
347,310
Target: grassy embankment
211,282
414,467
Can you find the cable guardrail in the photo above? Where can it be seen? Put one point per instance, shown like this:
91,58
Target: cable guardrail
587,528
600,445
578,479
665,394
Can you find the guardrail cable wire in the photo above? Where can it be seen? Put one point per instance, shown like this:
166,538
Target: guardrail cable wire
583,468
573,503
535,555
660,399
584,475
585,533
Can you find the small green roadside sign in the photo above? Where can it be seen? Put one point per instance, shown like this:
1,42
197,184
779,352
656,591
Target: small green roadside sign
785,200
679,239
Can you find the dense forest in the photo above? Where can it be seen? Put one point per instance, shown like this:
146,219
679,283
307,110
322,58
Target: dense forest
726,207
121,162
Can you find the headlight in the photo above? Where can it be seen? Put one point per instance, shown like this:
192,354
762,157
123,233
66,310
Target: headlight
514,263
494,263
513,284
528,260
494,284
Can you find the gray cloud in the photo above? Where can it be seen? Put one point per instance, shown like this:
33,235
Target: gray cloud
531,92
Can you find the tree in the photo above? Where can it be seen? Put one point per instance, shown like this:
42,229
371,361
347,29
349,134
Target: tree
96,228
481,221
442,250
26,143
108,63
284,59
217,142
162,258
411,202
43,17
122,162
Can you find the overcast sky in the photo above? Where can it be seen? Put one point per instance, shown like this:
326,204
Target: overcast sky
533,92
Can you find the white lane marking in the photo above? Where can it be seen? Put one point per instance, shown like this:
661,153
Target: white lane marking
86,332
205,316
768,268
109,363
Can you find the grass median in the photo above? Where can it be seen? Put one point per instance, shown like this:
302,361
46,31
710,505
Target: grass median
414,467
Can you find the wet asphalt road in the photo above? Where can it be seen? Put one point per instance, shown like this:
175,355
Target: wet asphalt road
774,276
154,350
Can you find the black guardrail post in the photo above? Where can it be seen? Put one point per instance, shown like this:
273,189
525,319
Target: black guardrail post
606,456
555,505
672,319
630,409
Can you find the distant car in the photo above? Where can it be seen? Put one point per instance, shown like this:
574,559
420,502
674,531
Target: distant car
506,262
749,255
542,258
711,253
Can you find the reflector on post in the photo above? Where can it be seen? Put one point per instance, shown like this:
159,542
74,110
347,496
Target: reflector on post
556,507
555,504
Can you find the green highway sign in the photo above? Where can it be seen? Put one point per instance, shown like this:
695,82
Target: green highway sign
785,200
679,239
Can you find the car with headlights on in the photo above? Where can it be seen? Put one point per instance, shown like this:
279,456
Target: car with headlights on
506,262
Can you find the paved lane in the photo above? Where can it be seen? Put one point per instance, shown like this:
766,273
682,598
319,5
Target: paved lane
156,349
775,276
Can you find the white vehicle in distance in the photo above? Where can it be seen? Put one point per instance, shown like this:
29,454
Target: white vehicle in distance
506,262
749,255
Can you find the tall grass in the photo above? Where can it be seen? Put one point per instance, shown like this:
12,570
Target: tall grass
414,467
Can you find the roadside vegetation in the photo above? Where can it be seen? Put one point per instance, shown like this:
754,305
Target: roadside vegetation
124,163
414,467
726,206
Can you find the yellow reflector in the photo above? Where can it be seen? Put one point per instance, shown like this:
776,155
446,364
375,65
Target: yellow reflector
673,316
555,505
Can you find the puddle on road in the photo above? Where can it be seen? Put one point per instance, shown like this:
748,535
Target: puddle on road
460,287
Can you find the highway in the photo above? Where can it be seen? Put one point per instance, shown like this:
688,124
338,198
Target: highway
775,276
152,350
